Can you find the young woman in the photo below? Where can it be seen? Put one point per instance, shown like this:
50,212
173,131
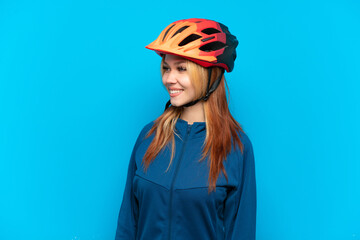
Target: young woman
191,174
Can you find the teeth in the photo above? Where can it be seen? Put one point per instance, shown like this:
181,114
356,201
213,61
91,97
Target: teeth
175,91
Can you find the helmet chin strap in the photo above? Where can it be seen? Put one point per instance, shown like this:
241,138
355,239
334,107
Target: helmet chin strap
209,90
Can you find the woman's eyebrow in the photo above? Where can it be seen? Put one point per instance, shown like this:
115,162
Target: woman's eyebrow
176,63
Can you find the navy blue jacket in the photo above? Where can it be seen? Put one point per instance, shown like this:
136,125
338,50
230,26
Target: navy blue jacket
175,205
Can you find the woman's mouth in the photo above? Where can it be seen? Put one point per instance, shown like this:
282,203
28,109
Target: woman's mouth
174,93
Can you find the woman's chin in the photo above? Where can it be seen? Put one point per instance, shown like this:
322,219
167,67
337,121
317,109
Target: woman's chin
175,104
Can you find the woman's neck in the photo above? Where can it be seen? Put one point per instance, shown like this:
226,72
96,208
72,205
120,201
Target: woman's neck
194,113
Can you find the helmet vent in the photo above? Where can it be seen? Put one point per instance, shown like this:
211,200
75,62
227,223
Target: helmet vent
189,39
167,31
209,31
213,46
180,30
207,39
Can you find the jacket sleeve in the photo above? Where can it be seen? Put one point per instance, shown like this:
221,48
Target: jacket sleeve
128,215
240,205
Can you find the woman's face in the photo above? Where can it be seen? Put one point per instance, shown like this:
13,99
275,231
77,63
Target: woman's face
176,80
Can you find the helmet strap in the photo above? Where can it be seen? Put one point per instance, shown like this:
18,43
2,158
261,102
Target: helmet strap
209,89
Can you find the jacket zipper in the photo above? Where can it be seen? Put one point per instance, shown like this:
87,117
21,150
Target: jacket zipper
173,180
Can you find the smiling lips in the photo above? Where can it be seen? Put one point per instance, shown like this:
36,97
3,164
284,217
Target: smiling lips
175,92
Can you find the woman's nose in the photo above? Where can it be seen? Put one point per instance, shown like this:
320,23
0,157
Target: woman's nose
171,78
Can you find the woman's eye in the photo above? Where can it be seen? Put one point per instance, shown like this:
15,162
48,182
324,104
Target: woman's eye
181,69
166,68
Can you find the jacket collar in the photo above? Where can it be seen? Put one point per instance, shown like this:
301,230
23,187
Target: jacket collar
197,129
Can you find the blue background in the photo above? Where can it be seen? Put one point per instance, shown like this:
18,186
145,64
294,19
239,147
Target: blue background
77,86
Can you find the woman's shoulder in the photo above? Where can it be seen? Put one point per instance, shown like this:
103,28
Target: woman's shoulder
146,129
142,134
245,139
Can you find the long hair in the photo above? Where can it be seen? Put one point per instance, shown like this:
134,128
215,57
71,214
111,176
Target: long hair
221,128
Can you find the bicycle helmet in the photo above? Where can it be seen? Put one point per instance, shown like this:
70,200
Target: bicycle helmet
205,42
